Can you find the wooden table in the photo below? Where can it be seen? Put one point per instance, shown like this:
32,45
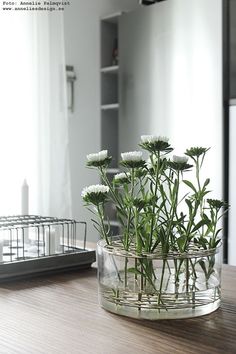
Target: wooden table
60,314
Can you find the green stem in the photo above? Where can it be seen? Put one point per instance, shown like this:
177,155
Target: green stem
137,237
126,235
176,273
126,271
136,268
199,190
161,283
198,174
104,233
193,269
146,272
215,226
190,224
141,283
149,245
129,212
108,183
173,208
187,275
178,270
103,228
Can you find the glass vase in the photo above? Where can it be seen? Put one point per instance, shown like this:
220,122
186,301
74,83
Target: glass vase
154,286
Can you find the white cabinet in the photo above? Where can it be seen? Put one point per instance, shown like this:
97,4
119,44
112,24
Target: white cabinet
232,186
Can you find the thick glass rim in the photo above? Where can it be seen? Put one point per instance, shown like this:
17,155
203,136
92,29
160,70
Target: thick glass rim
116,249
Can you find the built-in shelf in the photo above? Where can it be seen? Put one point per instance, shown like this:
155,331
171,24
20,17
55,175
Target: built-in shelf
232,102
113,171
109,103
113,18
110,69
105,107
112,223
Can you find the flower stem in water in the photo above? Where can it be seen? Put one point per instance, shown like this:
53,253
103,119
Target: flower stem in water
161,284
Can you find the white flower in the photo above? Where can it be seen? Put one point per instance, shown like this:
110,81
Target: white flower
121,175
180,159
153,138
164,139
96,188
99,156
132,156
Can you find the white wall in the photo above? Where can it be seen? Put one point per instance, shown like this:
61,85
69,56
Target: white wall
82,39
171,78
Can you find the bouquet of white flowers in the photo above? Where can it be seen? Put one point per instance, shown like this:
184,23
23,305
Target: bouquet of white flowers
161,213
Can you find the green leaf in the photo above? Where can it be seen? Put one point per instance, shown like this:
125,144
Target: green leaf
181,243
98,229
188,202
151,188
165,248
200,224
212,215
217,233
207,181
135,271
209,229
95,222
155,245
204,193
217,242
182,227
205,217
201,241
189,184
162,191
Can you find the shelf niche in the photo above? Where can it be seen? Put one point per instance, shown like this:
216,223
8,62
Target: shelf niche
109,74
109,130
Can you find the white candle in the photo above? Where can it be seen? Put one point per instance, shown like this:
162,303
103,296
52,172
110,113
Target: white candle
25,206
57,241
52,242
25,198
26,235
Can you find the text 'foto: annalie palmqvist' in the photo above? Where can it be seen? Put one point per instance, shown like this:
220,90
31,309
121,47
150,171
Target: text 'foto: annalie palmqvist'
38,3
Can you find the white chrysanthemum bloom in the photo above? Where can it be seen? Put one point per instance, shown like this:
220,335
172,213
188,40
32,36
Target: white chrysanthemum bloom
99,156
180,159
148,138
121,175
132,156
96,188
153,138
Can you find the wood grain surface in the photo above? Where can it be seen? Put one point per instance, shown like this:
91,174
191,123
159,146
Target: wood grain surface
60,314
